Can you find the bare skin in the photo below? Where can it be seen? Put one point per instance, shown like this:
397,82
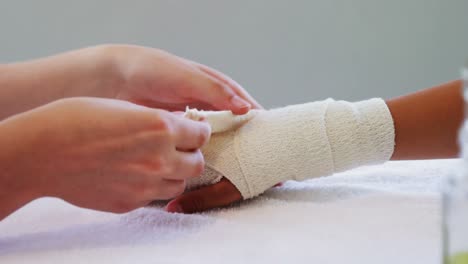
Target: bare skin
114,154
146,76
426,127
96,153
427,122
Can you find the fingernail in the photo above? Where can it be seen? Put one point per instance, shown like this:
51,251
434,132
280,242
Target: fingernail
174,208
239,102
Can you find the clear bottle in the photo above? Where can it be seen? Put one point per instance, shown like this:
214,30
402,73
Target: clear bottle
455,199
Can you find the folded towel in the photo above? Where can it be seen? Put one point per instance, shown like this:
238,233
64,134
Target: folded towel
380,214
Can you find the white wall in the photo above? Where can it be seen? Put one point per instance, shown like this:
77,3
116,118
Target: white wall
282,51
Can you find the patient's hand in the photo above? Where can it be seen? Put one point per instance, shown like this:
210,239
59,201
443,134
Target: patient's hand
291,143
217,195
208,197
213,194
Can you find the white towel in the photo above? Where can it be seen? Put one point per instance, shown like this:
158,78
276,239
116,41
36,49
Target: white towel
382,214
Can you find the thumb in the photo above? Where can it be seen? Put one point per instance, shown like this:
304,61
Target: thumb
213,92
208,197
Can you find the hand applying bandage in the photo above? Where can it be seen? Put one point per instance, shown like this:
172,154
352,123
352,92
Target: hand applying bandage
296,143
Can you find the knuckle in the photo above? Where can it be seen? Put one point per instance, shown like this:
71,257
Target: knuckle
167,169
218,86
204,135
199,166
163,125
158,163
162,166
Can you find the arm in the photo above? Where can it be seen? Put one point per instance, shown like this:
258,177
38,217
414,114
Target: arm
426,124
101,154
145,76
26,85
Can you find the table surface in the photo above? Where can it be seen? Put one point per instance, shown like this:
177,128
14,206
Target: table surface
378,214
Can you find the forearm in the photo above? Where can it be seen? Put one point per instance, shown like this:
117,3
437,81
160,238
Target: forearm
427,122
26,85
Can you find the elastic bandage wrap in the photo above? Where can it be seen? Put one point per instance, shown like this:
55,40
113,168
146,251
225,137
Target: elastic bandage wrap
296,142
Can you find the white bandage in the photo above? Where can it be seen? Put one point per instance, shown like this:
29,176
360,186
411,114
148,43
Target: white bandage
219,121
299,142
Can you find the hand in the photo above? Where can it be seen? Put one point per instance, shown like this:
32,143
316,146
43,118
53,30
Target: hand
101,154
208,89
145,76
158,79
217,195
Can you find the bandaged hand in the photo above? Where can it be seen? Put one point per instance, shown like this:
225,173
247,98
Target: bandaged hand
299,142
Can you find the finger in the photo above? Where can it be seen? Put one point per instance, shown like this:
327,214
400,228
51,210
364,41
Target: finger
230,82
217,195
214,92
167,189
175,106
190,134
187,164
278,184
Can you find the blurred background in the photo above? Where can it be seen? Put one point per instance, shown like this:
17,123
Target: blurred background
283,52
